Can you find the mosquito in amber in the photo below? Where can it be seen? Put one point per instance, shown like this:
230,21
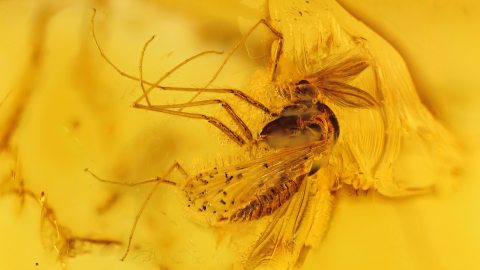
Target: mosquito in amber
283,183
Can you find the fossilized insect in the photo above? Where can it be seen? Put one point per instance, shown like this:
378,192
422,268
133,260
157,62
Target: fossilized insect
293,181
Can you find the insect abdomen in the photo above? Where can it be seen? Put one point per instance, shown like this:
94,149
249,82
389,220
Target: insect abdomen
266,203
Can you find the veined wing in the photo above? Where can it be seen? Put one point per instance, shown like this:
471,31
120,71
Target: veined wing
295,227
323,50
332,81
342,67
252,189
399,148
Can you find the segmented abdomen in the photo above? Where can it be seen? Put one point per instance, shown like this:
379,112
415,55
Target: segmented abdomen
266,203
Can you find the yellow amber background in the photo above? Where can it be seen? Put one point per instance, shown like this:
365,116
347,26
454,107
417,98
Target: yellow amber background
79,115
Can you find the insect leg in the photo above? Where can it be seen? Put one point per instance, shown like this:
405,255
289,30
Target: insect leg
240,123
225,105
132,77
222,127
241,42
156,84
177,166
278,50
157,180
140,67
132,184
235,92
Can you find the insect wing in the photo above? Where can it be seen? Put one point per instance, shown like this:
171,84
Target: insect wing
295,228
340,67
346,95
324,54
220,193
332,81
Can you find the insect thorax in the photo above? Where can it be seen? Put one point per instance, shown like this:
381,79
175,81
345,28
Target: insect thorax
297,91
302,123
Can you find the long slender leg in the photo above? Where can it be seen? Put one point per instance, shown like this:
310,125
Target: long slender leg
157,180
230,111
241,42
225,105
140,67
235,92
132,184
278,52
214,121
152,85
222,127
234,49
177,166
246,131
170,72
129,76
